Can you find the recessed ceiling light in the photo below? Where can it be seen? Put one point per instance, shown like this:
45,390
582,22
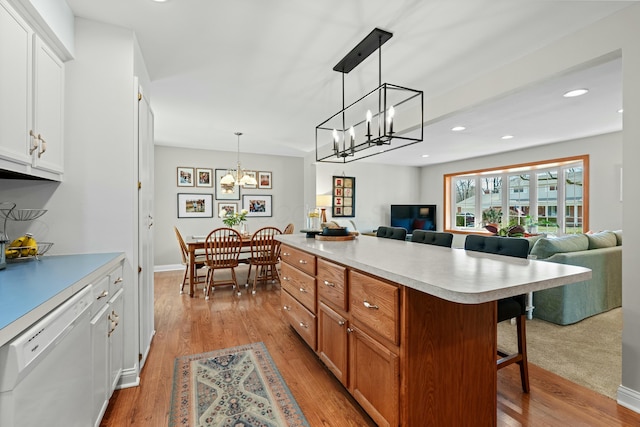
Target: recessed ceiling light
575,92
506,137
159,1
425,155
458,128
620,110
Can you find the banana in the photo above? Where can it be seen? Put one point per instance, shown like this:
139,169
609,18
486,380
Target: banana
18,242
11,253
30,246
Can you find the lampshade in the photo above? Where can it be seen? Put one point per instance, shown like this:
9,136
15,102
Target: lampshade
323,200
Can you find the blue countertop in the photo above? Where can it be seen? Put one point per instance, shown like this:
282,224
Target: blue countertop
32,286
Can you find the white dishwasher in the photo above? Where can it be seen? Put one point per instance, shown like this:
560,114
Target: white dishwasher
45,373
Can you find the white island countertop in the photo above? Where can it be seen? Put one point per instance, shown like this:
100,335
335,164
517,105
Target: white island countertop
456,275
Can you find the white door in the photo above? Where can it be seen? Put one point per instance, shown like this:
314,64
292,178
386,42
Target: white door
145,228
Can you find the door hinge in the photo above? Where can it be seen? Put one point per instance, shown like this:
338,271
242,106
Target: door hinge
139,96
139,357
139,185
139,269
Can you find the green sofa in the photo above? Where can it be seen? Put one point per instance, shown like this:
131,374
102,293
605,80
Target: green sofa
602,253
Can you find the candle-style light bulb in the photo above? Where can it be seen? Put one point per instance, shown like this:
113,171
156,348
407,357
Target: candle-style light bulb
369,117
335,141
352,137
390,115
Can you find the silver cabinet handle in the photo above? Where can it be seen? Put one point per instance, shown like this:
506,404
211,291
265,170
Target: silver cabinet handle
341,322
303,325
303,290
371,306
302,261
286,308
327,283
103,294
286,254
118,280
43,147
286,279
349,330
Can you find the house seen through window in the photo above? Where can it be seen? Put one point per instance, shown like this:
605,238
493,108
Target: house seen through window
544,197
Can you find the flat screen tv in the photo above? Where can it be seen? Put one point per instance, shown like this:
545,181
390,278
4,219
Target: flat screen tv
414,217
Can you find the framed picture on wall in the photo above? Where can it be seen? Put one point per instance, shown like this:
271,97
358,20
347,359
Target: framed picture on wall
195,205
185,177
344,196
264,179
257,205
204,177
229,207
220,193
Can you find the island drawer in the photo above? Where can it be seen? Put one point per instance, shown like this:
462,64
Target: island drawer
375,304
302,320
332,284
300,285
299,259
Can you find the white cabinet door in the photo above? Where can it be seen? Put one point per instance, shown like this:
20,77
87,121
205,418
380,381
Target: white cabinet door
16,63
99,358
116,339
48,77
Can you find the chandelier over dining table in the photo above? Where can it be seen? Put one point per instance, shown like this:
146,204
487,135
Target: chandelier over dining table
387,118
237,177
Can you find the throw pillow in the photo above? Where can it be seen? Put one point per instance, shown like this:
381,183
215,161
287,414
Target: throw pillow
603,239
618,234
545,247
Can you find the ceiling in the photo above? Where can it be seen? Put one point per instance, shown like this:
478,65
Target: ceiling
265,68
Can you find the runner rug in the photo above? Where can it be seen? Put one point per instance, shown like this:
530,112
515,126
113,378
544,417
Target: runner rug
239,387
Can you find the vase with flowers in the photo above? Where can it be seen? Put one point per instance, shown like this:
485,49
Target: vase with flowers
234,219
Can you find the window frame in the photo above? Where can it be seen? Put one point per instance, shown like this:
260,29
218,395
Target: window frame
533,169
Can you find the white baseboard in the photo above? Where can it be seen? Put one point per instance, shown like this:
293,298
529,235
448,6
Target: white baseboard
129,378
167,267
629,398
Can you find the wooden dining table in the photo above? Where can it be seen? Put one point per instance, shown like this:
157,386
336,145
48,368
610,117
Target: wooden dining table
195,243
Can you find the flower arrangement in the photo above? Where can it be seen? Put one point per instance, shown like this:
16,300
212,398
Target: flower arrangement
233,218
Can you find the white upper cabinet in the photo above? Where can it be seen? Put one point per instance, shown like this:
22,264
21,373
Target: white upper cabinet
31,100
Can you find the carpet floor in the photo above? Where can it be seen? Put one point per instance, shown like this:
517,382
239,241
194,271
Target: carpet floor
235,387
588,353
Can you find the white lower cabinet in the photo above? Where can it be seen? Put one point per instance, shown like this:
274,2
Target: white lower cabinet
107,340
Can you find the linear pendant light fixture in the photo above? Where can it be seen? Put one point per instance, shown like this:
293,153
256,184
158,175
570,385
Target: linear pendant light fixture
236,177
387,118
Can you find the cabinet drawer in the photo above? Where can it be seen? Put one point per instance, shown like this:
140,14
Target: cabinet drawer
101,294
115,280
302,320
332,284
300,285
299,259
376,305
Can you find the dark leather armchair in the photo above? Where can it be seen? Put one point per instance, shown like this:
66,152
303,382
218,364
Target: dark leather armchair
512,307
397,233
437,238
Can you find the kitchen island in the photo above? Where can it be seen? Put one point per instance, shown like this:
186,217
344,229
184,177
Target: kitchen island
409,329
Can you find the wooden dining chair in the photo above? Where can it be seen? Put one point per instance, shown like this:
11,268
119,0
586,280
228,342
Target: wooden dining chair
511,307
265,252
288,229
222,249
184,252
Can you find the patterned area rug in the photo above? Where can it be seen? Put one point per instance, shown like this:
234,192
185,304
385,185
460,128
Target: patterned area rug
236,387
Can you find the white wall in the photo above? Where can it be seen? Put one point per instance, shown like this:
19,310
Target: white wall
377,187
287,195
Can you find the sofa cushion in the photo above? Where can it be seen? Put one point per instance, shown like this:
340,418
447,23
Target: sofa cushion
545,247
533,239
618,234
603,239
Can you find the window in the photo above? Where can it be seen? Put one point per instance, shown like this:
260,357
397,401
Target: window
543,197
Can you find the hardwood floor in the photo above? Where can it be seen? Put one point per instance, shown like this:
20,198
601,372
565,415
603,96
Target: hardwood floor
187,325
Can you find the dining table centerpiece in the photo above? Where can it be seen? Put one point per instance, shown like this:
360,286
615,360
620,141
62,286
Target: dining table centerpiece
234,219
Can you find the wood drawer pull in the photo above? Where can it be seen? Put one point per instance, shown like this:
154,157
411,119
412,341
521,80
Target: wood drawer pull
327,283
371,306
303,325
302,261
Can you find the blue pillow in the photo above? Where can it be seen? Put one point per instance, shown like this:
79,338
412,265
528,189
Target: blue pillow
401,222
